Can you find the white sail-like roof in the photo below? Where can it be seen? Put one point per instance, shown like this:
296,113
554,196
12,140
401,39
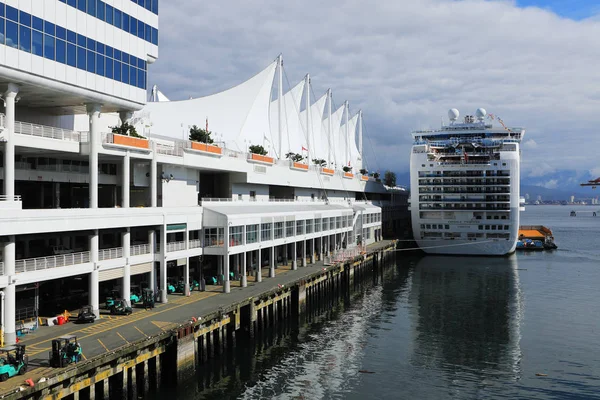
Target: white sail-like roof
338,141
352,148
294,136
237,116
319,143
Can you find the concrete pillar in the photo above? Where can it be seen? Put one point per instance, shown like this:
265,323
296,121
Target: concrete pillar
133,382
153,178
295,256
285,254
186,277
272,263
94,299
125,383
226,282
304,253
146,377
9,144
244,277
125,178
152,246
106,388
126,241
10,303
163,263
259,268
93,111
312,251
56,193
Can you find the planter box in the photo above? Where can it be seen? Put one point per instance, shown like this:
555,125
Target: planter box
348,175
299,166
131,141
207,148
260,159
327,171
364,178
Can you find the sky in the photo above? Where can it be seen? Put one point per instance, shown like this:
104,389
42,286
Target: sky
534,63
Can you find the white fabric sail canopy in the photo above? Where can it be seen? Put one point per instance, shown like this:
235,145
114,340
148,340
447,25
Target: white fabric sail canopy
354,156
293,135
319,144
337,139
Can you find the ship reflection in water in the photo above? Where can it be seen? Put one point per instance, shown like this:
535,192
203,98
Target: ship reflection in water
466,315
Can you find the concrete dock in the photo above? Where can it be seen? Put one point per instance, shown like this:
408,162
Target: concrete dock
116,335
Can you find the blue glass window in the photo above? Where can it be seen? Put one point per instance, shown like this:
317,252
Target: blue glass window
81,40
91,7
109,68
91,61
148,33
133,27
118,21
132,76
81,55
155,6
109,14
100,64
61,32
72,3
81,5
140,32
148,5
25,18
125,58
100,10
72,55
2,10
61,51
155,36
91,44
125,74
49,47
12,13
140,63
37,41
126,22
12,34
38,23
141,79
117,55
109,51
49,28
25,38
99,47
117,71
71,37
2,31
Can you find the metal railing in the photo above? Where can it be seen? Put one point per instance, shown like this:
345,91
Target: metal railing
36,264
139,249
25,128
110,254
25,313
4,197
175,246
1,268
195,243
175,150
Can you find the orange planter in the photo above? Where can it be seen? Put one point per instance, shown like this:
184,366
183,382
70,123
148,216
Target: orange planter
297,165
130,141
208,148
262,159
327,171
364,178
348,175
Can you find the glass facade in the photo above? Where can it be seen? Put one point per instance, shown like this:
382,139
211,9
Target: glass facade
33,35
119,19
278,232
251,234
265,232
289,228
236,236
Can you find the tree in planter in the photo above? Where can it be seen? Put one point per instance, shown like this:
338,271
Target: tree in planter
319,162
126,130
347,169
364,171
256,149
375,175
389,179
200,135
294,157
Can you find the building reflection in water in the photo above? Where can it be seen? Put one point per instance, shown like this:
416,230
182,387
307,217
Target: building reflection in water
468,312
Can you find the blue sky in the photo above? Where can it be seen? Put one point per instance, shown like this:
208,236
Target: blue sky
573,9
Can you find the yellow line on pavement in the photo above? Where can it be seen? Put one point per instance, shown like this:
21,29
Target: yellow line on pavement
140,331
105,348
121,336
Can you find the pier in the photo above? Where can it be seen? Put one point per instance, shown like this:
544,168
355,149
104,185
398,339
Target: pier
126,356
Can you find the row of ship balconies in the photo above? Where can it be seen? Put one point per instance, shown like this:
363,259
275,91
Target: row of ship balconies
463,190
463,199
463,182
480,206
463,174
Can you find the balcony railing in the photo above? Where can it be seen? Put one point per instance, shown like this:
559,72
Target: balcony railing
139,249
110,254
175,246
4,197
63,260
25,128
195,243
1,268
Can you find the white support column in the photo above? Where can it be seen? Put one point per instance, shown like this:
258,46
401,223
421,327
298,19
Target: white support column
163,264
186,277
279,101
226,282
259,268
153,178
312,251
295,256
330,129
125,179
360,139
304,253
126,241
151,245
94,298
10,301
347,135
9,145
244,277
93,111
272,263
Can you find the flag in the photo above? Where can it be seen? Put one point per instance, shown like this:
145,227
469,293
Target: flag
348,163
466,157
304,148
206,124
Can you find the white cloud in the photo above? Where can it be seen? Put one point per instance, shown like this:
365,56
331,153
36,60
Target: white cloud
541,169
530,144
551,184
404,63
595,172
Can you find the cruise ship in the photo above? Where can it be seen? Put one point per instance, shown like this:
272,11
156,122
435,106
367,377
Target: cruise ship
464,181
103,190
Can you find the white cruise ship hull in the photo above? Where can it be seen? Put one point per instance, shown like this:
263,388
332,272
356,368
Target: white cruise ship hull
465,247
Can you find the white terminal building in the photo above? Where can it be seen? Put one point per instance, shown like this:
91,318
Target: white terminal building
84,211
